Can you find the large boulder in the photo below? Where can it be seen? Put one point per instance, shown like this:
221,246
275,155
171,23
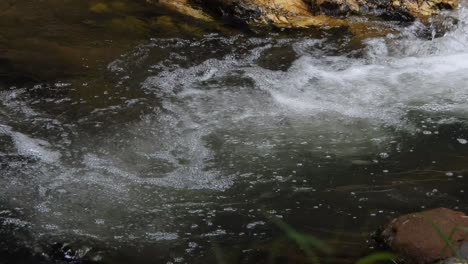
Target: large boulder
303,13
422,236
275,11
279,13
392,9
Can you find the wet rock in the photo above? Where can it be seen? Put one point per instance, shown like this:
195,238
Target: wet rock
305,13
67,253
419,236
280,13
278,58
270,11
392,9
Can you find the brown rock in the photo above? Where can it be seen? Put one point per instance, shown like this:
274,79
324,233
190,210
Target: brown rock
279,13
394,9
304,13
416,235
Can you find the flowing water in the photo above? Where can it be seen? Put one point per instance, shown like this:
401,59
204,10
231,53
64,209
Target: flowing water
123,142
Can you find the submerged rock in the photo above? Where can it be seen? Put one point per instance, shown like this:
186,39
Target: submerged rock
304,13
422,236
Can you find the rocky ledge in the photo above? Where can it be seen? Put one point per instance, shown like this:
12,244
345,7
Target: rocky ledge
304,13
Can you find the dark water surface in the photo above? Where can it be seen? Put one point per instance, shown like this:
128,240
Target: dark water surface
131,136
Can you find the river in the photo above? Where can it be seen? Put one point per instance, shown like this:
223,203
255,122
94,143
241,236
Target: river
128,135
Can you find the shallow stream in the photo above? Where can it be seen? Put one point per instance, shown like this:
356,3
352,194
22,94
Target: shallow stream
127,135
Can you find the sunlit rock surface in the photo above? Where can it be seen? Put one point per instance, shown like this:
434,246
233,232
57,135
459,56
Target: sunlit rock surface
397,9
304,13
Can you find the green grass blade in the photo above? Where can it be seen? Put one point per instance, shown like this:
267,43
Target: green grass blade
376,257
447,241
303,240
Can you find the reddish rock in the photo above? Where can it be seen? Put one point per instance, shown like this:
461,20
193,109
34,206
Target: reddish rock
414,235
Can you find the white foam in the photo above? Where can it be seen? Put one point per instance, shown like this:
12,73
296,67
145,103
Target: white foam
158,236
35,148
381,92
11,99
30,147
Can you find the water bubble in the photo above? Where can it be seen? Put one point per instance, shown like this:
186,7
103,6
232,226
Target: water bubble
384,155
